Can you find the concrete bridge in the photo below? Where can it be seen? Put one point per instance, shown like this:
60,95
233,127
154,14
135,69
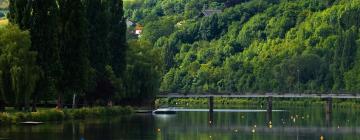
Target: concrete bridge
266,95
269,97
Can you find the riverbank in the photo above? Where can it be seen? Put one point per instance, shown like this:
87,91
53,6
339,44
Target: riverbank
256,102
56,115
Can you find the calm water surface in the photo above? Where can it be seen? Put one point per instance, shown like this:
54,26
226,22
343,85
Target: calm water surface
294,124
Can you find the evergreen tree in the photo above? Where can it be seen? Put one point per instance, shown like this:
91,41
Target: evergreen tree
98,25
97,22
44,41
73,54
117,36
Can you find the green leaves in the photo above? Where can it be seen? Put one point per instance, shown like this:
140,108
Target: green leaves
143,71
257,46
18,65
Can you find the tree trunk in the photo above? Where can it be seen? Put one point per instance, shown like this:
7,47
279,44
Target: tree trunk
74,101
27,105
59,103
33,109
2,106
110,103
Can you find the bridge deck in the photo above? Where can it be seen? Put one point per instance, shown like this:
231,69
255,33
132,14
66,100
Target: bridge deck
335,96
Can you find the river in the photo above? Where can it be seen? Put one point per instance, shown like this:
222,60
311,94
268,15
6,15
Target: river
242,123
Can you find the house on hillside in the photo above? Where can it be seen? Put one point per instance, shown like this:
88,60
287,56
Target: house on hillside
210,12
134,29
138,29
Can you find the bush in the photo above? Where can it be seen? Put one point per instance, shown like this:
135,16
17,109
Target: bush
6,118
21,116
60,115
95,112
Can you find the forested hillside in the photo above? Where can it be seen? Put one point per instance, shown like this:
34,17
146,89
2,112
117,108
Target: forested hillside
254,45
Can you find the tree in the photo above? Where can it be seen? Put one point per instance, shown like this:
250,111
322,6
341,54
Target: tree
169,51
20,13
156,29
19,72
74,52
117,36
142,74
98,24
44,40
99,54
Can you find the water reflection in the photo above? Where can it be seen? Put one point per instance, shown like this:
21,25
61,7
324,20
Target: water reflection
211,118
296,123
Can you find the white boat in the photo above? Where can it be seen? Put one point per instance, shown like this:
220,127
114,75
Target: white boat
31,123
164,111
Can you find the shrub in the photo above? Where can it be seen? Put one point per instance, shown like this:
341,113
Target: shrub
6,118
60,115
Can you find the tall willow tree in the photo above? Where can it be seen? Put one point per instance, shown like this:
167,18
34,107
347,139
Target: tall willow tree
72,41
44,41
97,16
18,67
117,36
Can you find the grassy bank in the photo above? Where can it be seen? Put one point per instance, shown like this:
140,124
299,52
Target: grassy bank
47,115
256,102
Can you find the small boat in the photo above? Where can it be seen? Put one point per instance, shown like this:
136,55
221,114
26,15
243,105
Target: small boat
31,123
164,111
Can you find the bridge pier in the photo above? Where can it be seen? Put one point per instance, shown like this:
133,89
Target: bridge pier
211,103
328,111
328,106
269,109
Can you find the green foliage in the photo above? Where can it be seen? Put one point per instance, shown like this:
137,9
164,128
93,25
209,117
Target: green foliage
55,115
6,118
20,13
44,40
259,46
143,72
96,112
19,72
117,37
49,115
79,46
74,51
157,29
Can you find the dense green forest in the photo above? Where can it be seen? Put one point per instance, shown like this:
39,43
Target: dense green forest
55,50
254,45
